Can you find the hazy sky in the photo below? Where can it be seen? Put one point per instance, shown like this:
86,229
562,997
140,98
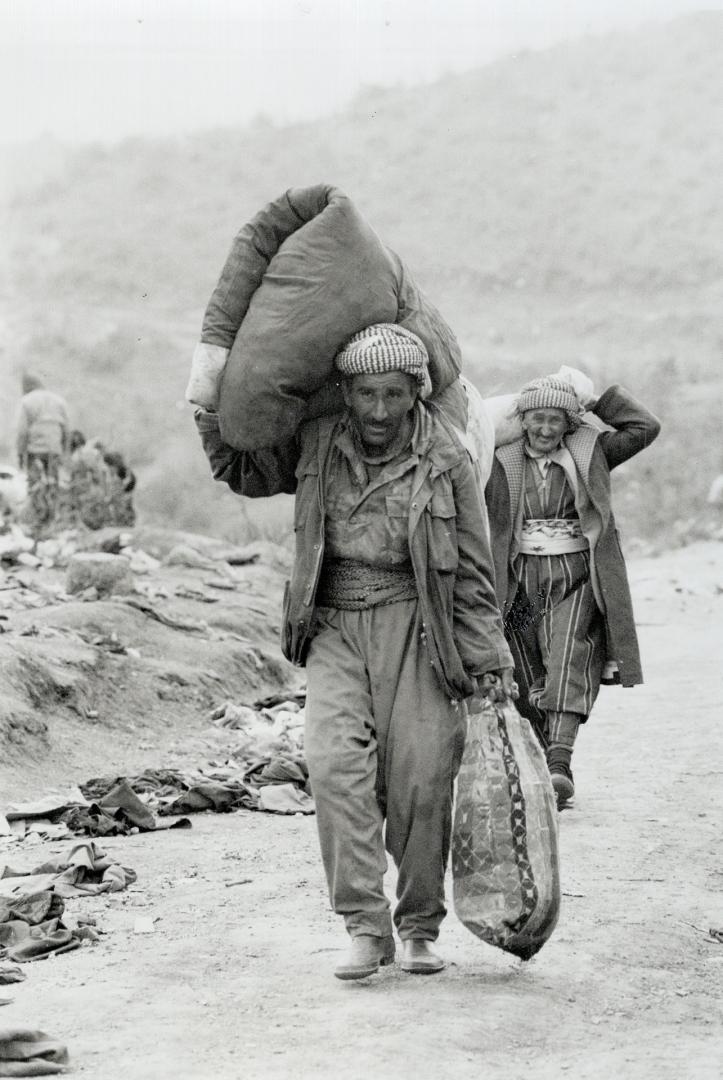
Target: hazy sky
104,69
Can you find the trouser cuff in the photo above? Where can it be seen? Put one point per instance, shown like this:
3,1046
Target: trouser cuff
373,925
425,930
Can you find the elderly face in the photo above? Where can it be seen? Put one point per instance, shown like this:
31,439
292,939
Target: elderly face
379,406
544,428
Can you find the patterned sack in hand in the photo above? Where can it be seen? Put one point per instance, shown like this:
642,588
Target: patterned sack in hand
505,843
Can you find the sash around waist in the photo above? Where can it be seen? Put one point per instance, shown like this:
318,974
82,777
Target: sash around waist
353,586
552,536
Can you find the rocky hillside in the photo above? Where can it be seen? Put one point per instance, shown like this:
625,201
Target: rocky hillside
559,206
94,680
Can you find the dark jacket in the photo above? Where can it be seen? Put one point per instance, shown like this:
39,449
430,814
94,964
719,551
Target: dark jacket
595,454
450,555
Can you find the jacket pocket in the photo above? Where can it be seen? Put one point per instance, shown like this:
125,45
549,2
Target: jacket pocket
397,506
441,519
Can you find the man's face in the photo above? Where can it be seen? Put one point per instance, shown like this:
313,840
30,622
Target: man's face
379,405
544,428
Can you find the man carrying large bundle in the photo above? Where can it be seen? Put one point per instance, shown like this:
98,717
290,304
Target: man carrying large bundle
391,607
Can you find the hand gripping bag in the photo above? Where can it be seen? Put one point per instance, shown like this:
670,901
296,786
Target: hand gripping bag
302,276
505,859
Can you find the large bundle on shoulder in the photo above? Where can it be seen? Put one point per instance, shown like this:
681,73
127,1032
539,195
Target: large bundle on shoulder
304,275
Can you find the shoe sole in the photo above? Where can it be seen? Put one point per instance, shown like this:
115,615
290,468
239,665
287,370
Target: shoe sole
349,974
422,969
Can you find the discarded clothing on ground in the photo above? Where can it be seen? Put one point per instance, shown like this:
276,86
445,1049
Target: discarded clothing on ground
273,732
280,771
505,859
11,973
121,805
26,1051
285,799
219,789
117,812
84,870
41,816
32,903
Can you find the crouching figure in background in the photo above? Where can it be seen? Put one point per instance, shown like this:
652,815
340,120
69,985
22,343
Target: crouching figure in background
392,609
560,573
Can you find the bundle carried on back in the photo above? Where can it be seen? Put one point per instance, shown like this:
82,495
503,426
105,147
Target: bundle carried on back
504,842
302,276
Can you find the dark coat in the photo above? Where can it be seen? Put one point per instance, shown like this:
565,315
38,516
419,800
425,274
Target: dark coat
449,551
595,454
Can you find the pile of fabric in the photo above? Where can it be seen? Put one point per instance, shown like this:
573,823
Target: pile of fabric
26,1051
32,902
265,770
278,785
147,802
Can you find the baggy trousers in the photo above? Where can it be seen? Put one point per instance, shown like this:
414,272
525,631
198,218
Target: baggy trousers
382,741
559,649
42,473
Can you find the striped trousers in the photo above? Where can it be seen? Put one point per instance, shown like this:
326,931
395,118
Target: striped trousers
557,636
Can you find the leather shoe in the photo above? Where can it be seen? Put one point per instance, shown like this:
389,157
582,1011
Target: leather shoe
365,956
418,958
563,784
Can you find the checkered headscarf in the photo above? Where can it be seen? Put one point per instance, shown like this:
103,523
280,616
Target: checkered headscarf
551,393
385,347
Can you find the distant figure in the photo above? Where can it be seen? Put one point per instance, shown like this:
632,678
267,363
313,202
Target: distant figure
89,486
560,573
123,481
41,440
100,485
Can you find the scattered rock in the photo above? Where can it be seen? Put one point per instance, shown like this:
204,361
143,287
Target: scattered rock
14,543
99,570
109,539
183,555
26,558
141,561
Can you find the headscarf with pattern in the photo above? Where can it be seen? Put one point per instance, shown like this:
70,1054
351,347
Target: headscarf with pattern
551,392
385,347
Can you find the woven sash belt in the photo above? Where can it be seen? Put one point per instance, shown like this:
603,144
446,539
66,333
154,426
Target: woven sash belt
552,536
353,586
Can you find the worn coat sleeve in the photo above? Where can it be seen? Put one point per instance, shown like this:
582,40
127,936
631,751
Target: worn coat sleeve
256,473
478,629
635,426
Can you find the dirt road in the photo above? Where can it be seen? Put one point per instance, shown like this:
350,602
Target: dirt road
235,982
